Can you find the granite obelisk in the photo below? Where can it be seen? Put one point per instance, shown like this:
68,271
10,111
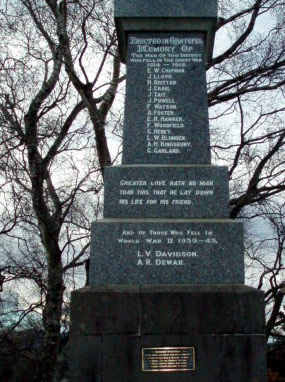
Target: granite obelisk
167,300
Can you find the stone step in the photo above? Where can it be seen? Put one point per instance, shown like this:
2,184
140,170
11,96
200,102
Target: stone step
166,251
166,192
224,324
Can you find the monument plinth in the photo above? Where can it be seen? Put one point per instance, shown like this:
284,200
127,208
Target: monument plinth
166,300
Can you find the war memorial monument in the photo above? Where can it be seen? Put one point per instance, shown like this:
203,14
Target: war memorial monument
167,300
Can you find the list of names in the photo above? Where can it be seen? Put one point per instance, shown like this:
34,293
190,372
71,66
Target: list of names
166,59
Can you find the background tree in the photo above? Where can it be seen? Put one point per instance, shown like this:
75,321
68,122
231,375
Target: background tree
59,76
246,99
47,171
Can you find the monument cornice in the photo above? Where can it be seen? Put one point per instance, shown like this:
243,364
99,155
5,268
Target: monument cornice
168,15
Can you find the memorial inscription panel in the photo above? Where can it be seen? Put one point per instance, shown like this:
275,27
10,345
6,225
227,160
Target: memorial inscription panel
168,359
166,113
166,252
166,191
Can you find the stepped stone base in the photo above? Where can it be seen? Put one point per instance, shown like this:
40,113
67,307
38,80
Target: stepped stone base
223,323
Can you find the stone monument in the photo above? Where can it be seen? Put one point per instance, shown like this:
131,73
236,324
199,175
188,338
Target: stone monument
167,300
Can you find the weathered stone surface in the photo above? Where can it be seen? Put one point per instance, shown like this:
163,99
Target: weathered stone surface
166,110
204,366
166,8
85,358
196,310
224,351
243,358
166,191
119,358
220,358
187,309
104,312
166,251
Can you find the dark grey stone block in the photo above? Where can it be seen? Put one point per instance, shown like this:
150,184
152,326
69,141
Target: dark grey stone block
85,358
165,15
217,358
166,251
166,111
243,358
190,310
206,368
166,191
96,312
166,8
119,359
220,355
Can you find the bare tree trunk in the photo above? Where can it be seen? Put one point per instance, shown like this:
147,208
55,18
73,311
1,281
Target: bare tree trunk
85,90
52,317
49,224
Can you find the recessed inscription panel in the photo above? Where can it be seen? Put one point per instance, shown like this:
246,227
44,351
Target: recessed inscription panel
166,113
166,359
165,191
169,252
